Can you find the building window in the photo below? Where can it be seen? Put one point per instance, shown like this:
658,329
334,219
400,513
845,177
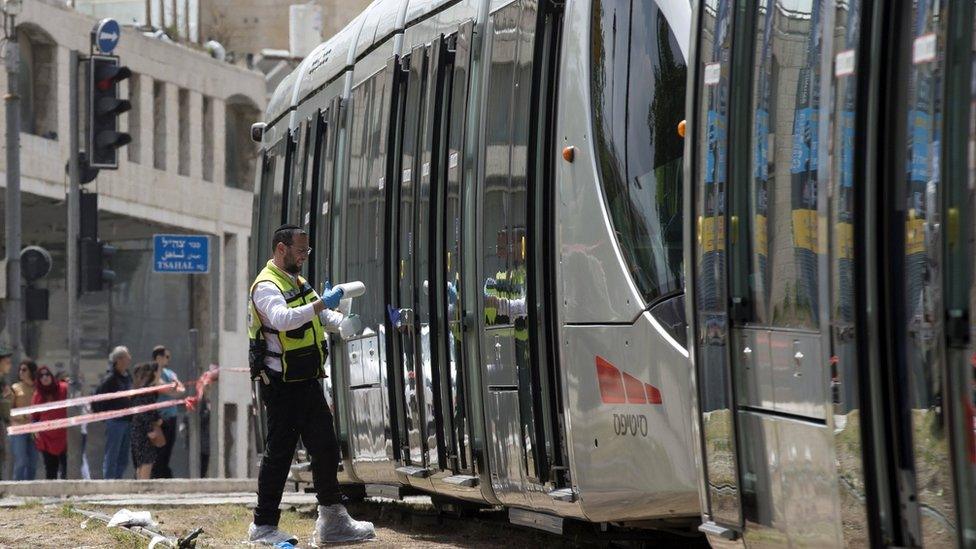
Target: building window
134,119
240,151
159,125
183,165
208,139
230,282
38,82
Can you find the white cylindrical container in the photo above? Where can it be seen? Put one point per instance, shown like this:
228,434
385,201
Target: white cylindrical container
352,289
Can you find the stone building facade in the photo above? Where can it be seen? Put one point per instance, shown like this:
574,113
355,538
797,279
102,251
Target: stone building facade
190,170
248,26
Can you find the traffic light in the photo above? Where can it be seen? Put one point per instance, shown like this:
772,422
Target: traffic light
105,106
95,268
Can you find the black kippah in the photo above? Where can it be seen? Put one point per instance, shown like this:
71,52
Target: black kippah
287,227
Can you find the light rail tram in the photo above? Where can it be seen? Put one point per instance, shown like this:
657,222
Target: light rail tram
506,178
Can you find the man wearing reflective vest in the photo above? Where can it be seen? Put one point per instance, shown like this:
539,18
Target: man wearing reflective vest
287,322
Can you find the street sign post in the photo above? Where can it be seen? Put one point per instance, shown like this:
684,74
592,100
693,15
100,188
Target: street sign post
107,35
181,253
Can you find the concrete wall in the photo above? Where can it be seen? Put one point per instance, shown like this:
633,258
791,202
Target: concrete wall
139,191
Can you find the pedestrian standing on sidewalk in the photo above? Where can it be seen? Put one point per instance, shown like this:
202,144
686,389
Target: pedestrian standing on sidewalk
117,431
6,402
161,357
22,446
52,444
286,325
146,426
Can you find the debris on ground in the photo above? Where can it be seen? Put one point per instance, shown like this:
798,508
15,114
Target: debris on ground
399,524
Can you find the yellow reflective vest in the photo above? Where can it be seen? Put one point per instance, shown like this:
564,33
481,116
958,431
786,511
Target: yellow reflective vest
303,349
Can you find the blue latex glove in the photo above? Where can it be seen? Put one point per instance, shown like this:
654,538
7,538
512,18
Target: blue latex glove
331,296
451,294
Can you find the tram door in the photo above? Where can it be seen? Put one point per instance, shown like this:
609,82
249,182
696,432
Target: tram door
453,378
419,311
517,355
928,240
403,311
762,294
832,245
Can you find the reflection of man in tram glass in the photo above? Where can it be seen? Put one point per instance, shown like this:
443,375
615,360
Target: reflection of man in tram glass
506,304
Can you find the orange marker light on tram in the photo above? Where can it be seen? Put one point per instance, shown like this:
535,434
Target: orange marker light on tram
569,153
681,129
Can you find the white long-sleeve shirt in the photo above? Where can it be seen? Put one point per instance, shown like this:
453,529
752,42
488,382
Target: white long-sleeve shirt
275,313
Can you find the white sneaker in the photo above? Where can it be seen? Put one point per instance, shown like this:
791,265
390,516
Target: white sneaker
334,525
268,534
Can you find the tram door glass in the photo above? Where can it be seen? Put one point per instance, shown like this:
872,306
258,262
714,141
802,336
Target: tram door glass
777,285
309,217
456,405
429,256
840,231
322,181
282,152
921,371
506,339
710,253
296,184
962,373
261,220
407,283
354,202
365,257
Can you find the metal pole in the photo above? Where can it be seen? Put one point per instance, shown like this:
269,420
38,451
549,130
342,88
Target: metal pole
74,220
193,418
71,256
12,101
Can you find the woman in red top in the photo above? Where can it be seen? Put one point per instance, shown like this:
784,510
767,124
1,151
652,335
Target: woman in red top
53,444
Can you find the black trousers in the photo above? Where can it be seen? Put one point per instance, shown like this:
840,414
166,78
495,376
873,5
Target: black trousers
161,465
54,464
296,410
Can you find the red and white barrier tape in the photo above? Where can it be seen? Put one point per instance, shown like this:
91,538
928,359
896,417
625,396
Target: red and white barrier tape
79,401
39,426
190,402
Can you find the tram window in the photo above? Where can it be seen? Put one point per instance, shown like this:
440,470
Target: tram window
280,164
296,183
373,232
518,221
638,84
783,282
261,220
323,229
355,196
368,236
498,159
308,215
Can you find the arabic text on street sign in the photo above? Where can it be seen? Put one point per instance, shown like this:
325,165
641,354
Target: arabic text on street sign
107,35
181,253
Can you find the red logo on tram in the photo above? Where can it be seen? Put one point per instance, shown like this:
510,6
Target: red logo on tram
619,387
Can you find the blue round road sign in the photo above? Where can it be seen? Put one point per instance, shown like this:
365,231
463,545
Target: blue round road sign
107,35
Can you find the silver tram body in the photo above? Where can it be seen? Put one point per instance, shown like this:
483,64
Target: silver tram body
829,239
523,338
